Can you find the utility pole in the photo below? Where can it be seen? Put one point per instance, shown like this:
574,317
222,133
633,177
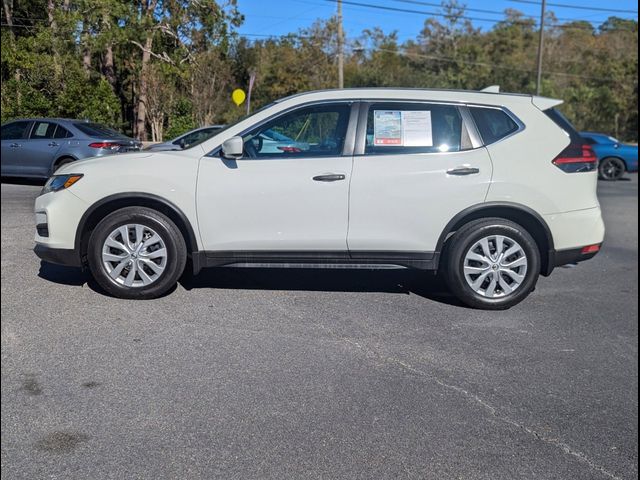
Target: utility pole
541,47
340,47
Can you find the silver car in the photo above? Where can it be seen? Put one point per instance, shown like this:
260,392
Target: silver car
37,147
186,140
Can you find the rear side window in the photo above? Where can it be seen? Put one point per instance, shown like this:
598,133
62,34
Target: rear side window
15,130
394,128
42,130
62,132
493,124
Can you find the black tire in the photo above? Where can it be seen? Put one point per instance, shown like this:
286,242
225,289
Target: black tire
176,252
464,239
60,162
611,169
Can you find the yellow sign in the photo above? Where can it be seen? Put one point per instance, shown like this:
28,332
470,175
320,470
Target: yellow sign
238,96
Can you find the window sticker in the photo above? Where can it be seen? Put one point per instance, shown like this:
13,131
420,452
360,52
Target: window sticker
387,127
410,128
41,131
416,129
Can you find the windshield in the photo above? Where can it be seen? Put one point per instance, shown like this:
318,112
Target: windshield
97,130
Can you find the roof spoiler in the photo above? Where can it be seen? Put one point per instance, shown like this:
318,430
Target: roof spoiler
544,103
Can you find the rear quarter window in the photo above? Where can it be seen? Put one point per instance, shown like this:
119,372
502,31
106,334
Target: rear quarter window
493,124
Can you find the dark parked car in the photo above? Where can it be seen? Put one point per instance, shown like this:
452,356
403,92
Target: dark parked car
614,157
37,147
187,140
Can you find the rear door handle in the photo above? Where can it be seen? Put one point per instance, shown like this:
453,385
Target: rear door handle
331,177
463,171
53,144
15,145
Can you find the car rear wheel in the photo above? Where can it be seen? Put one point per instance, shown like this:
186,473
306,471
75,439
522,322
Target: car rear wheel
136,253
611,169
492,264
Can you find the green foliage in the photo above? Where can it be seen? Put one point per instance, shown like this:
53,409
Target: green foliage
178,62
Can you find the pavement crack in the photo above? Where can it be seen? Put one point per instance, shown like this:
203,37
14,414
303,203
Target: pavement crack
566,448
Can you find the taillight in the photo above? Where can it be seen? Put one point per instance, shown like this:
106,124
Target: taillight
590,249
108,145
577,158
290,149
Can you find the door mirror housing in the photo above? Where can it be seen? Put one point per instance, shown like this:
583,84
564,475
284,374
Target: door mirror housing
233,148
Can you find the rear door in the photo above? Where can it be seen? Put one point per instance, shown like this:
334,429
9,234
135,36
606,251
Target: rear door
416,166
39,151
14,135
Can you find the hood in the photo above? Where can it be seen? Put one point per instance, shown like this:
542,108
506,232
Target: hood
79,166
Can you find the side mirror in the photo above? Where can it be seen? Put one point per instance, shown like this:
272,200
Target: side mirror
182,143
233,148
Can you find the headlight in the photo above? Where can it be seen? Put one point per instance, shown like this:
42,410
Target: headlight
60,182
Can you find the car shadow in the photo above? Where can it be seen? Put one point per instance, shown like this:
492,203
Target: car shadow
403,282
24,181
71,276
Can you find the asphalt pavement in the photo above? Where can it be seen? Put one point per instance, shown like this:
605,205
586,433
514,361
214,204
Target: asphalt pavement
301,374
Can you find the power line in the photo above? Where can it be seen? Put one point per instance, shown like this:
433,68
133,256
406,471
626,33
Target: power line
490,65
444,15
493,12
576,7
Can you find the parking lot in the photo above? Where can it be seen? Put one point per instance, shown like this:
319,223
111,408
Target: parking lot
269,374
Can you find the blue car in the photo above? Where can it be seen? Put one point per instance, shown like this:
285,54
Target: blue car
615,158
37,147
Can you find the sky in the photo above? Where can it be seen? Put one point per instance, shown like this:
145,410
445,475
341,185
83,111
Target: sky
279,17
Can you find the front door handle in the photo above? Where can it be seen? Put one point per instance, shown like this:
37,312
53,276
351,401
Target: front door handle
15,145
463,171
330,177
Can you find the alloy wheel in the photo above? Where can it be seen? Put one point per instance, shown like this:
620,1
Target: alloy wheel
134,255
495,266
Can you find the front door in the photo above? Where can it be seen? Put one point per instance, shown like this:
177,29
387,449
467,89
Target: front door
415,168
289,192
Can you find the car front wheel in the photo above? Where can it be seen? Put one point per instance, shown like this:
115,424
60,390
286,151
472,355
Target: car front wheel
136,253
492,264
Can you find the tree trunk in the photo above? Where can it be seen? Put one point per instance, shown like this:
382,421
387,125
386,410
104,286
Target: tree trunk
108,69
141,109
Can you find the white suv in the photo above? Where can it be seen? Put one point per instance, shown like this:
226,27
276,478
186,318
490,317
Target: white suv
490,189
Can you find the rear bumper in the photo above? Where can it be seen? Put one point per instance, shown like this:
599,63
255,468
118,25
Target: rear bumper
59,256
558,258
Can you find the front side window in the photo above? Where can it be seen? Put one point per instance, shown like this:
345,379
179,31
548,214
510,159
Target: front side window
394,128
43,130
316,131
15,130
493,124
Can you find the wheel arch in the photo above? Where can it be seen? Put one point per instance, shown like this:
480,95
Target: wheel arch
56,161
96,212
520,214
